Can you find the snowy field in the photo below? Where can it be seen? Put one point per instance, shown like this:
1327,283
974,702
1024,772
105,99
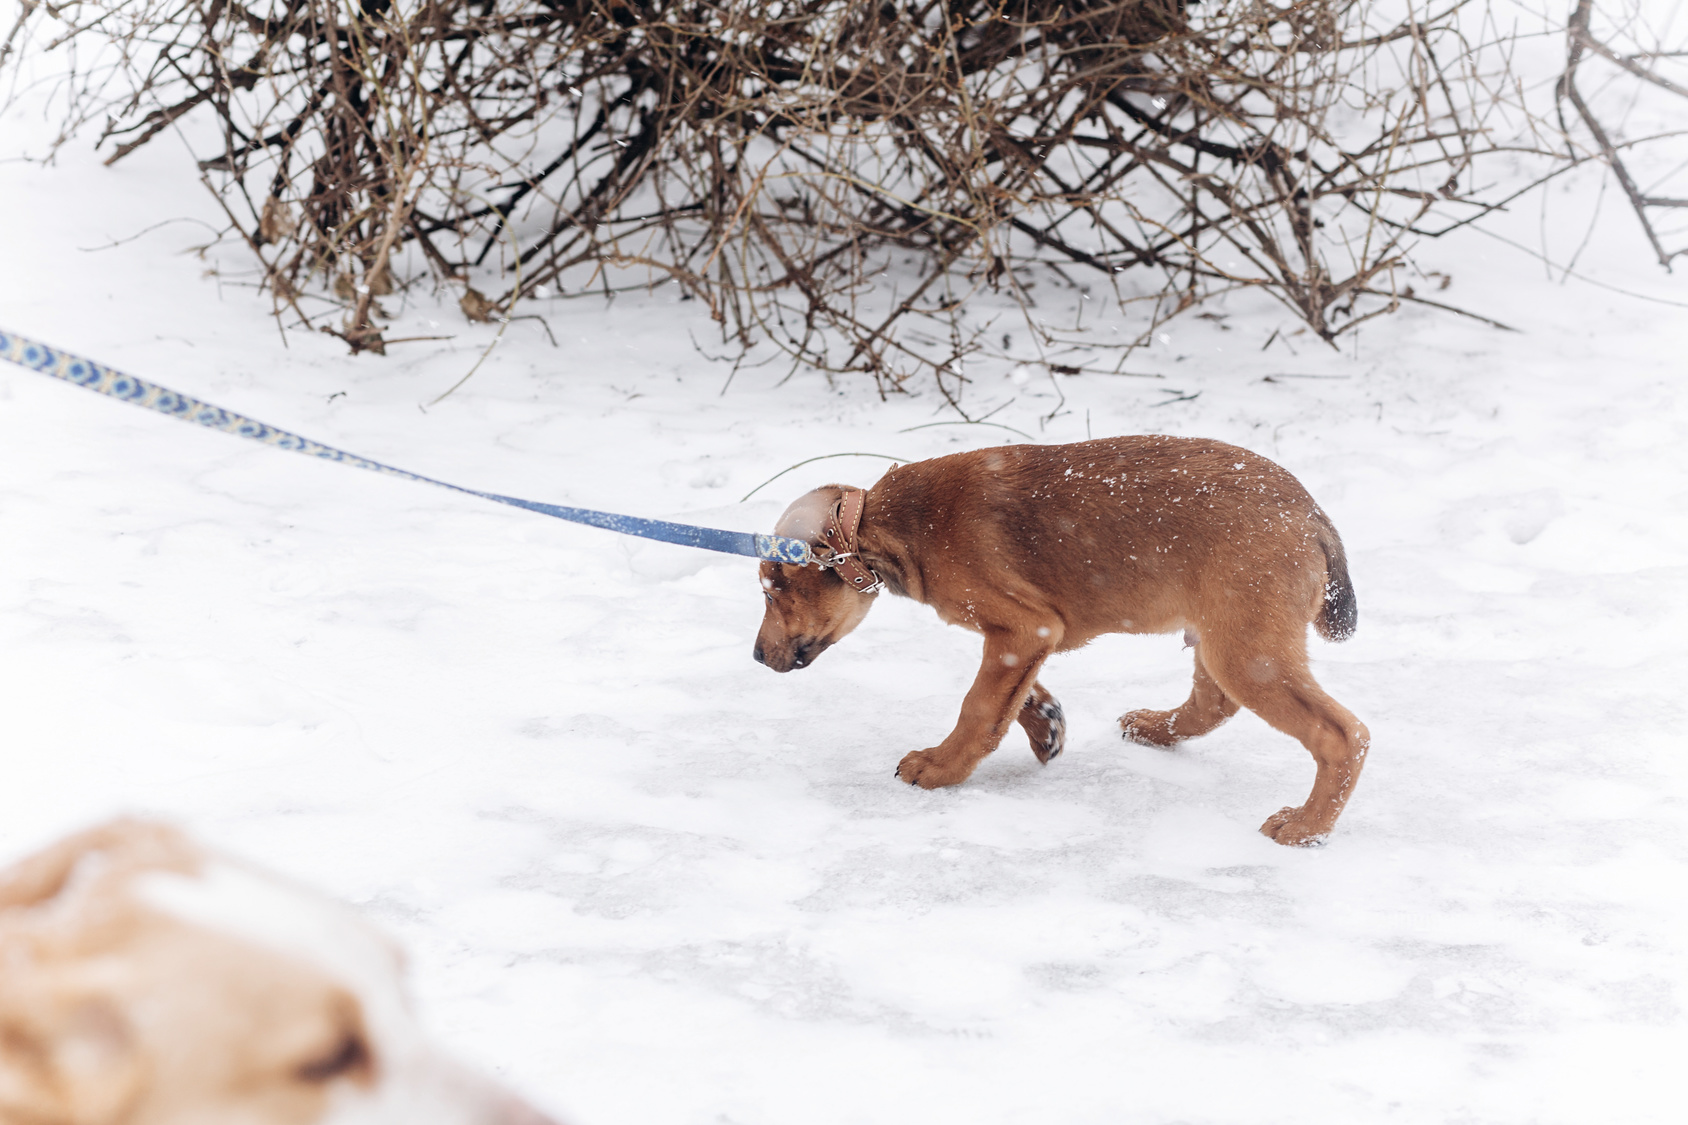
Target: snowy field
641,885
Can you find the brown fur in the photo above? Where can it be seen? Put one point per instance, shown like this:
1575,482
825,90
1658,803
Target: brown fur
1043,548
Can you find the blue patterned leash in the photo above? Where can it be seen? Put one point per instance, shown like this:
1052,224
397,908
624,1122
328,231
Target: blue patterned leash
95,377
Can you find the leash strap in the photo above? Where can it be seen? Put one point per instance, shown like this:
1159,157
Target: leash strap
840,535
114,384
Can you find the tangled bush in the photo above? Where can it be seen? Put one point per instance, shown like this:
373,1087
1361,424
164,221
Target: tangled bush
776,157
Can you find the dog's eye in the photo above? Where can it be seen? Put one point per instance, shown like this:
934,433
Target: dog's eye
350,1056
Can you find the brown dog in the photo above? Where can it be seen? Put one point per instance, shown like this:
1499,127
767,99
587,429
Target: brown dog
145,981
1042,548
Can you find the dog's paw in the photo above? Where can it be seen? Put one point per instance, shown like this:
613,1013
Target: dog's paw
1294,828
920,767
1150,728
1046,726
1051,745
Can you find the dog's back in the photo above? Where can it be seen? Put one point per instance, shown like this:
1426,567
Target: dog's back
1162,532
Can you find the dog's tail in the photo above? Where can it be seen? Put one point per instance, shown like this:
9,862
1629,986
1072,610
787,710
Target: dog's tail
1340,612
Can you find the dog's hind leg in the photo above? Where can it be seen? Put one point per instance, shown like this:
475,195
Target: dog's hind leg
995,700
1272,680
1045,723
1207,707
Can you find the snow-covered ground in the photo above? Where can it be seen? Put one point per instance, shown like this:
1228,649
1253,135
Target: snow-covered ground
642,884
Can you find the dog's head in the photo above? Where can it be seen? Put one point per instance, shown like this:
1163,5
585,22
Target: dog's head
146,982
808,609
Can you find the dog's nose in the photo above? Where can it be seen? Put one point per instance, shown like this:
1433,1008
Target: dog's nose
518,1112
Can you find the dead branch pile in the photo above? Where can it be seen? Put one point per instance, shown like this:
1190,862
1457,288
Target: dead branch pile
1630,48
779,159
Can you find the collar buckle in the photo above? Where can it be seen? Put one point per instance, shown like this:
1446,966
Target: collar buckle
840,535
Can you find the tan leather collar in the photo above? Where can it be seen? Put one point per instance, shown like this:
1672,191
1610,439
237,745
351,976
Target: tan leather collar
840,534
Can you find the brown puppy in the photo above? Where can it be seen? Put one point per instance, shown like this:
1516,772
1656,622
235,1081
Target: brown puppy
1043,548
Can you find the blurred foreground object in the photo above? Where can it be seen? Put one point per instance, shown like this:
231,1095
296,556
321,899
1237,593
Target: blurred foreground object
145,980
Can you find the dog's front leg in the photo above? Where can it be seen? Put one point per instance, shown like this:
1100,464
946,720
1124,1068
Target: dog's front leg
1005,678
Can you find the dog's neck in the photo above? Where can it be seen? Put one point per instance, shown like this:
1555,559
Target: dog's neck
880,542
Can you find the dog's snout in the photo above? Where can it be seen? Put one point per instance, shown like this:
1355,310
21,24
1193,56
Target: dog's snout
448,1093
788,654
517,1112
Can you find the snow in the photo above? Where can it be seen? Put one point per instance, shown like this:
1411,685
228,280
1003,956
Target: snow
645,880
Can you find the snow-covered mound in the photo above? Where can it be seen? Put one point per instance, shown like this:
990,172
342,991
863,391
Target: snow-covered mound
639,878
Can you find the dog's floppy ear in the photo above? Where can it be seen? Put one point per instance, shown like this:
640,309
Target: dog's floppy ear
807,515
64,1060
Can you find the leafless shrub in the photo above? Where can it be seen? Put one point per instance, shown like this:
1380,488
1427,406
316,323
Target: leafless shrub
1647,59
777,158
